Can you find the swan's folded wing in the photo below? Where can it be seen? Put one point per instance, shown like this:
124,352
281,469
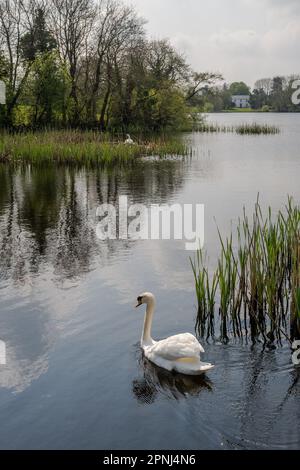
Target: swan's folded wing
177,347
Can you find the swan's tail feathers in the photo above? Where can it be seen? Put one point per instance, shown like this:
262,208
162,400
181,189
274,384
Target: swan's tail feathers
192,366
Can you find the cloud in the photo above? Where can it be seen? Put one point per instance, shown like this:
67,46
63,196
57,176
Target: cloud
284,41
246,39
239,41
291,5
279,41
284,3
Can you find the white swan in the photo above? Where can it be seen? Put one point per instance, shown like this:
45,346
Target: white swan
180,353
128,140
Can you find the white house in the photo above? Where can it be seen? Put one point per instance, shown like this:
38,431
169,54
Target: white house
2,93
241,101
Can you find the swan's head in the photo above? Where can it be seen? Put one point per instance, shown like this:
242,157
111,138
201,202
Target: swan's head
146,298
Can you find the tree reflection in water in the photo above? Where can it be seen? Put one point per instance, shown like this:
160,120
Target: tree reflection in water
48,215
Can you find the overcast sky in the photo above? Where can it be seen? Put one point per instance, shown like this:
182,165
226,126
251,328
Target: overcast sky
242,39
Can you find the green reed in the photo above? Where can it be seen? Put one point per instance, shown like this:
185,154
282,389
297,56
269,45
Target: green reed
82,147
242,129
255,288
256,129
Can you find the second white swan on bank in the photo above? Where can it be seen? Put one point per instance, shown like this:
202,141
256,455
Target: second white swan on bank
180,353
129,140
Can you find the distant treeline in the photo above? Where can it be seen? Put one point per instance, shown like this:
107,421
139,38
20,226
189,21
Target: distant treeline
269,94
88,63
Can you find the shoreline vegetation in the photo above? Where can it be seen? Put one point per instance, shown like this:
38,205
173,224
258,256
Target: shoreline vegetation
86,146
83,147
256,284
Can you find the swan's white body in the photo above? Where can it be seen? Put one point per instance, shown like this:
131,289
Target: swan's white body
129,140
180,353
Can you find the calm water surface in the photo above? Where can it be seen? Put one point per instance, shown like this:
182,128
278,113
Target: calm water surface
75,376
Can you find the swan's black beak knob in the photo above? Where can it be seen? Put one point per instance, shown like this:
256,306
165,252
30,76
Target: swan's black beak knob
140,302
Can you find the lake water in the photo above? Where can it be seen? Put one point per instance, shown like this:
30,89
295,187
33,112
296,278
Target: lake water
75,376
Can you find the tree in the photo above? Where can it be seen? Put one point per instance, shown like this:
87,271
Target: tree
264,84
239,88
117,29
47,88
148,87
165,63
200,81
38,40
13,16
277,94
71,24
226,97
258,99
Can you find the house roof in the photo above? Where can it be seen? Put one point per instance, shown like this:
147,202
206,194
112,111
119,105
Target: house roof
246,97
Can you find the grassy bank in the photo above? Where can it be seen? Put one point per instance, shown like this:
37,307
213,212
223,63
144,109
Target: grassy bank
240,110
82,147
255,289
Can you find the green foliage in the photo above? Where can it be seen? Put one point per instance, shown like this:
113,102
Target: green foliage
47,89
258,99
38,40
169,111
239,88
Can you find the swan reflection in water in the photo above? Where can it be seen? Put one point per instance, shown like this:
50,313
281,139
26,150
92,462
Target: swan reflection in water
156,381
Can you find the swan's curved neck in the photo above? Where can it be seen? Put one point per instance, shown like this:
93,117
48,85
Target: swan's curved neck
146,337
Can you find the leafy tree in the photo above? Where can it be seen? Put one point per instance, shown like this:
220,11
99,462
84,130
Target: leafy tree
13,21
239,88
258,99
47,89
73,22
226,97
278,100
199,82
38,40
147,90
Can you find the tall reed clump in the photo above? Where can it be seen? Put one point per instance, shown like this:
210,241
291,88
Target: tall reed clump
255,289
256,129
81,147
242,129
